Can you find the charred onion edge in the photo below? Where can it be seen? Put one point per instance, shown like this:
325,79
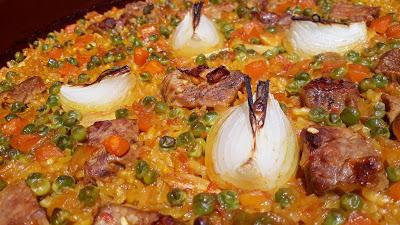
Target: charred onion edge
112,73
196,9
217,74
318,19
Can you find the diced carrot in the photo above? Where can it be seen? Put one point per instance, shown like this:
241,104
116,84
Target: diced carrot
145,121
69,29
283,6
24,142
256,69
116,145
357,218
148,30
252,30
140,56
55,53
81,41
358,72
153,67
298,67
381,24
14,126
82,58
306,4
394,191
68,70
47,151
393,31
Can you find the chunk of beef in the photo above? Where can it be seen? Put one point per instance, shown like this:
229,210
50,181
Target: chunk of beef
389,63
18,206
113,214
273,19
338,159
132,10
25,91
103,164
392,105
105,25
217,87
329,94
353,13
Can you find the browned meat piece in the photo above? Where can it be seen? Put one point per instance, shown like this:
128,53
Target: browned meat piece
113,214
338,159
102,164
217,87
18,206
329,94
389,63
353,13
105,25
25,91
392,104
132,10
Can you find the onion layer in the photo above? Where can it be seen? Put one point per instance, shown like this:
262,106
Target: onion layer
308,38
196,34
101,99
264,158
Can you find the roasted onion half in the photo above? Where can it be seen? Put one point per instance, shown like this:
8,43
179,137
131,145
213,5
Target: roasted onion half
253,146
196,34
308,38
99,100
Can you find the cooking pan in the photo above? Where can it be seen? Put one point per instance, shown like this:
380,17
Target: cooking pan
24,21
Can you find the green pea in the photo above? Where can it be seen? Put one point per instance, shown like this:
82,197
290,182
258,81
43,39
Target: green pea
210,118
303,76
60,217
350,201
41,187
10,75
227,29
334,217
18,107
167,143
272,30
308,12
353,57
317,115
55,88
165,31
83,77
294,87
88,195
145,76
380,80
71,60
121,113
149,177
242,11
176,197
197,149
350,116
53,63
284,197
79,133
149,101
193,117
64,142
29,129
366,84
198,129
393,173
109,57
10,116
147,9
338,73
71,118
5,86
204,203
116,39
228,199
94,62
255,41
3,184
161,107
43,130
176,113
201,59
63,181
53,101
185,139
334,120
19,57
377,126
153,37
141,168
269,54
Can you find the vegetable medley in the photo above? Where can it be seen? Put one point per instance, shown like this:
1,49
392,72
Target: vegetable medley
207,112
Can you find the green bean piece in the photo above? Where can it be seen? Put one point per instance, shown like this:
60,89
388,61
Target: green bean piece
176,197
204,203
350,202
89,195
350,116
228,199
